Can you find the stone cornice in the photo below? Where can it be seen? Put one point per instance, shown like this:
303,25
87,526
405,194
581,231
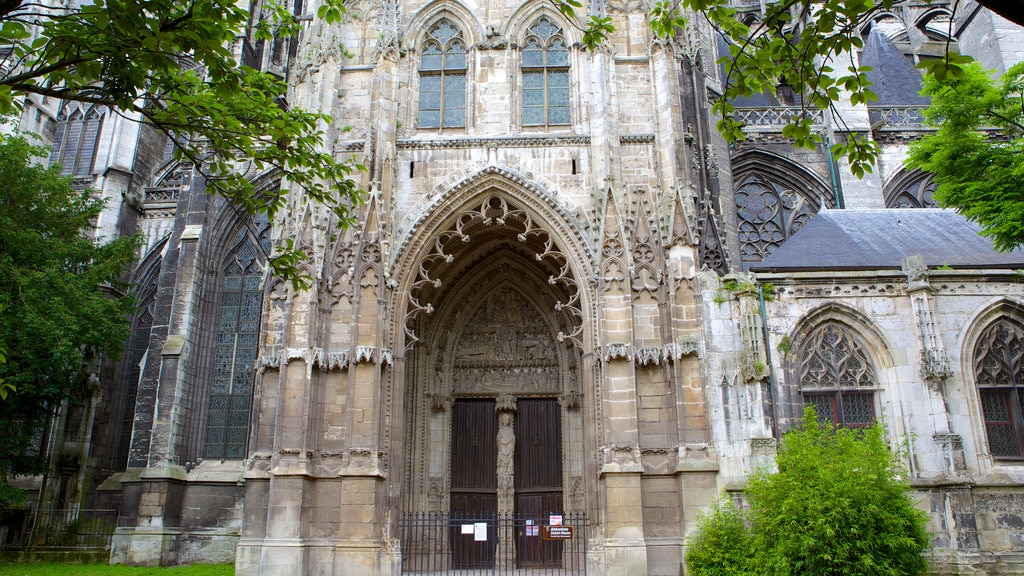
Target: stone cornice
497,142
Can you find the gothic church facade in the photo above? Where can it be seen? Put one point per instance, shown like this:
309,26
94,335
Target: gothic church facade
553,302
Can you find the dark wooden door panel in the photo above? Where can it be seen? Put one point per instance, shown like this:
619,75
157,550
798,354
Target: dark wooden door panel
538,480
474,445
474,486
538,444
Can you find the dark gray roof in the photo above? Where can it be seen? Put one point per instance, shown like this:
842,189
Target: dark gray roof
894,79
859,239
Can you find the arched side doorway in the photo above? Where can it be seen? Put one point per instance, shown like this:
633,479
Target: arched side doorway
493,387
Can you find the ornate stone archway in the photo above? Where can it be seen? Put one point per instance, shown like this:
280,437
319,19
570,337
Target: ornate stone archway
493,315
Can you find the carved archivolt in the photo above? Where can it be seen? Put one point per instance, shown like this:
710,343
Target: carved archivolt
493,211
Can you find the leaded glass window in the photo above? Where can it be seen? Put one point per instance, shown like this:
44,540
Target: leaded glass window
768,215
75,138
999,374
238,326
545,67
837,377
443,78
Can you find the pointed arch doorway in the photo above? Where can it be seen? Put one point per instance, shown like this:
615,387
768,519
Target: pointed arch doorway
493,425
505,443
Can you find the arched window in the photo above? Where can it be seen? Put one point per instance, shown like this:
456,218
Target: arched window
74,142
913,189
238,326
768,215
443,78
545,75
836,376
999,375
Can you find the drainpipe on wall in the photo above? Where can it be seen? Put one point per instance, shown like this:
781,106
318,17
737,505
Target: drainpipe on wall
772,383
836,186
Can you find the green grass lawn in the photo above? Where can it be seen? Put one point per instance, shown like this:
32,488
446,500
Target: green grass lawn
49,569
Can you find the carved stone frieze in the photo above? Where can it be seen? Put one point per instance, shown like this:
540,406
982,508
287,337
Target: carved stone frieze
763,446
621,458
491,380
618,352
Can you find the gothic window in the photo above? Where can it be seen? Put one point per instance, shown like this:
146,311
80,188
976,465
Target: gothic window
74,142
768,215
443,78
999,374
238,325
836,377
545,75
917,193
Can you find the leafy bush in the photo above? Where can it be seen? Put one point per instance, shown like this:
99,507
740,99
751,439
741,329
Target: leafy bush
721,544
839,504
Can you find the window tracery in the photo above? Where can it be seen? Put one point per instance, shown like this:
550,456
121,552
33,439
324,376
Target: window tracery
768,215
999,375
75,138
837,377
916,194
236,347
442,99
545,70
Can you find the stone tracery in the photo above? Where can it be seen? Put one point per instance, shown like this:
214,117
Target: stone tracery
493,212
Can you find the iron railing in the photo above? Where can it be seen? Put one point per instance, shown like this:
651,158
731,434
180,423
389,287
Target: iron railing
59,529
440,543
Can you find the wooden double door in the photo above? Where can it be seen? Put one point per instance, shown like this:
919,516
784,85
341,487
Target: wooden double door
475,481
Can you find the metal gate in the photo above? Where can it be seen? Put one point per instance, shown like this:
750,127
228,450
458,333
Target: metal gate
439,543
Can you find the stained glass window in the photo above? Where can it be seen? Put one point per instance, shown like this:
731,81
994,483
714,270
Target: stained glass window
443,78
75,138
234,363
768,215
999,374
545,63
836,377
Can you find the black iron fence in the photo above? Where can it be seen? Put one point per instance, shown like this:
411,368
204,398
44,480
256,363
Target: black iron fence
58,528
439,543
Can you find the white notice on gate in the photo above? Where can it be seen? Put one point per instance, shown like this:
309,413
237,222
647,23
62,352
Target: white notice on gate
467,528
555,519
480,532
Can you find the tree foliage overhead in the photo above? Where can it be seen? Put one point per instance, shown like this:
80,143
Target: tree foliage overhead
838,504
62,303
807,45
977,154
171,63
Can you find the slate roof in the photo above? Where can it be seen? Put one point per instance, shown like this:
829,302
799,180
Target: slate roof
861,239
894,79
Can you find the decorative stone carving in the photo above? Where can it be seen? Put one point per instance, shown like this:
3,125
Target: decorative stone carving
440,402
676,350
495,210
648,356
499,380
951,446
763,446
506,457
570,400
621,458
916,271
505,403
618,352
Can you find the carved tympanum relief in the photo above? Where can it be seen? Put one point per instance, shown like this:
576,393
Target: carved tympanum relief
506,347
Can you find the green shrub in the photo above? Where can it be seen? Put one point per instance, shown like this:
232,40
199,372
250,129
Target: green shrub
721,544
839,504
